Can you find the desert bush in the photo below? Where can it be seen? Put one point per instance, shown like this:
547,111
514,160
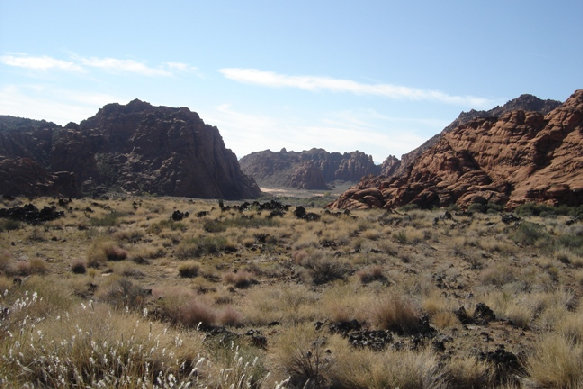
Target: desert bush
192,313
115,253
158,227
409,235
37,235
102,251
397,314
183,308
240,279
467,373
214,226
371,273
533,209
229,316
131,236
124,293
108,220
529,233
78,266
288,304
568,257
363,368
9,224
142,255
299,353
34,266
5,261
572,242
571,326
202,245
498,275
321,269
188,270
131,272
557,362
250,222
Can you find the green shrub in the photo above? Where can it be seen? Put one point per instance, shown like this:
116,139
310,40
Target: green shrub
202,245
533,209
107,220
528,233
572,242
214,226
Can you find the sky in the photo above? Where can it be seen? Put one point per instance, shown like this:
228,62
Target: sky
375,76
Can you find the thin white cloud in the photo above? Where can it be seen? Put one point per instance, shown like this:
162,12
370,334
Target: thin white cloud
60,106
246,133
123,65
180,66
79,64
315,83
39,62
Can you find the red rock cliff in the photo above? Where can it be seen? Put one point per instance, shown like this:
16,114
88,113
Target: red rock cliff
517,157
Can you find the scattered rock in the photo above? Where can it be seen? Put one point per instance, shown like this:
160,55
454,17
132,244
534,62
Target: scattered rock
31,214
374,340
509,218
300,212
345,327
505,363
482,315
257,339
177,215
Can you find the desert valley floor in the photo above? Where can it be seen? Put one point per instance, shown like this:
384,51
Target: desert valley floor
133,292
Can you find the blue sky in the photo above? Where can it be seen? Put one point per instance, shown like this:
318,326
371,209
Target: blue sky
375,76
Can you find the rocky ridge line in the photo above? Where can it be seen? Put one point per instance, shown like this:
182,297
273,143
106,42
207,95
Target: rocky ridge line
516,157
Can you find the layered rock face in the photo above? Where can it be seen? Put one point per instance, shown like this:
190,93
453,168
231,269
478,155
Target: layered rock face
312,169
135,148
516,157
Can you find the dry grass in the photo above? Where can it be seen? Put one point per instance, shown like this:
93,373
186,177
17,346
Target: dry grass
557,362
78,266
385,270
468,373
389,369
398,314
188,270
240,279
371,273
103,250
289,304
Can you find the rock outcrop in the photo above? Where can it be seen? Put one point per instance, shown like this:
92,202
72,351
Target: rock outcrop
507,157
390,166
300,169
133,148
525,102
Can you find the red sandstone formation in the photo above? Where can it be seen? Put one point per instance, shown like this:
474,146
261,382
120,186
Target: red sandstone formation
511,159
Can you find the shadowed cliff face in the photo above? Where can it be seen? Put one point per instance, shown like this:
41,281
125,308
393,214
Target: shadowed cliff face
135,148
312,169
517,157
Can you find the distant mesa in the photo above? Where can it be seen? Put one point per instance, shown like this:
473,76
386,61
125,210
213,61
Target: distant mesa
529,150
134,148
311,169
